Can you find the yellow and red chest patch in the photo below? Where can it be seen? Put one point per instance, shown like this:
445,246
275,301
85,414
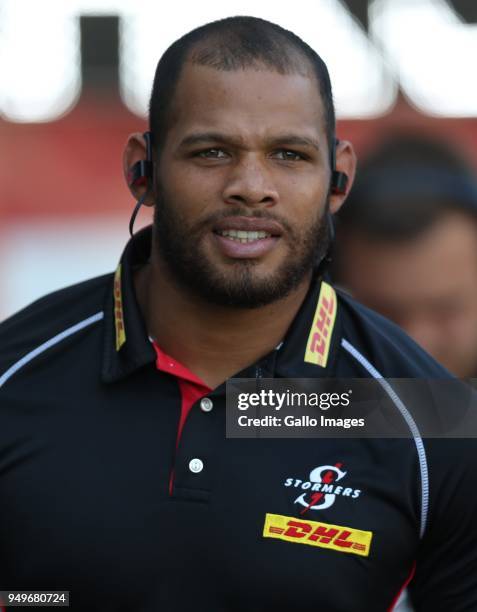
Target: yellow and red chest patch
314,533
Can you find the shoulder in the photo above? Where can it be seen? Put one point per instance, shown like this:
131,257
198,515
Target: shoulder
50,319
373,340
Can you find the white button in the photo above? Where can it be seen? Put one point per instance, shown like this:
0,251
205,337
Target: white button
196,466
206,404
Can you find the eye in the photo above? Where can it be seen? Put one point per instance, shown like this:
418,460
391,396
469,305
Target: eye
212,154
289,155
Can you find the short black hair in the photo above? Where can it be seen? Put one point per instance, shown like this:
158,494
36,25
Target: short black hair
236,43
405,185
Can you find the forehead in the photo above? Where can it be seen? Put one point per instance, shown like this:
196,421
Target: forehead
251,102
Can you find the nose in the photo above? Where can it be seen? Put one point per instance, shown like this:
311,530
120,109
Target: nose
250,183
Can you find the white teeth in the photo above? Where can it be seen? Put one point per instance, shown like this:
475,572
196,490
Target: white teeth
244,236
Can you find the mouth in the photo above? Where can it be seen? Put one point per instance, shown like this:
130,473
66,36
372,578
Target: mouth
244,236
247,237
247,229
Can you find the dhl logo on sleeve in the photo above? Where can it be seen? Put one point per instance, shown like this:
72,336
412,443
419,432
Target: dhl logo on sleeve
323,535
318,345
118,310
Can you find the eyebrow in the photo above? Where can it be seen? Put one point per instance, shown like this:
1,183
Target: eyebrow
281,139
294,139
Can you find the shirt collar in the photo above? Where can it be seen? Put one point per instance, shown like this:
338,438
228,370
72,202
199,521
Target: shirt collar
126,343
309,349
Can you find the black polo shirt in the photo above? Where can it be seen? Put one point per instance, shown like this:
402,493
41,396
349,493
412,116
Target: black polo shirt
88,429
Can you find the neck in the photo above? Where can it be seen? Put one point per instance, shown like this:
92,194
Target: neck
214,342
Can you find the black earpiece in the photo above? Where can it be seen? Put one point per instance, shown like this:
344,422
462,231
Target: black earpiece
339,180
141,174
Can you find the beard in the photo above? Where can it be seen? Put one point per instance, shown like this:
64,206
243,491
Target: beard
238,284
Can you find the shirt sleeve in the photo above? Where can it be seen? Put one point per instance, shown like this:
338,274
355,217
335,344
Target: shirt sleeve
446,565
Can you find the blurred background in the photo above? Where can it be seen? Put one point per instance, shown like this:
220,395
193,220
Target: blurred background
75,77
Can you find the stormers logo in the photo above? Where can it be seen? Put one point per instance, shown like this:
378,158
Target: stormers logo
321,489
319,339
324,535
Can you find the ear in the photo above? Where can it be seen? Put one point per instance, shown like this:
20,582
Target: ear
134,152
345,162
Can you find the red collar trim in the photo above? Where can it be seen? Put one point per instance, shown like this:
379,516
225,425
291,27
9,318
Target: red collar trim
168,364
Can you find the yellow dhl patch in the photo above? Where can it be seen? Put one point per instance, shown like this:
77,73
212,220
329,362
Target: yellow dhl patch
319,340
313,533
118,310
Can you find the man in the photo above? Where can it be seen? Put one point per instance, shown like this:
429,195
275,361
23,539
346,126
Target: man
117,481
408,246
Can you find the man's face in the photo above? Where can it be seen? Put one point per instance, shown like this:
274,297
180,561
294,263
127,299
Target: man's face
242,184
427,285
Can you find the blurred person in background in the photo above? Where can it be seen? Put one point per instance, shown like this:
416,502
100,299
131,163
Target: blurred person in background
408,245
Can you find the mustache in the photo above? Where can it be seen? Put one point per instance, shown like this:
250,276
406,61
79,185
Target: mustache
243,211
